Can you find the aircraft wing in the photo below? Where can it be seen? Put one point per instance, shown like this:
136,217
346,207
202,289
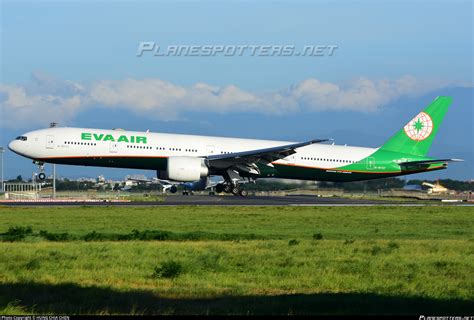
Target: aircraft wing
213,184
152,181
167,182
266,155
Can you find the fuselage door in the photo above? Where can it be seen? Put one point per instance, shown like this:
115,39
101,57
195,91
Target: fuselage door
370,163
49,142
113,147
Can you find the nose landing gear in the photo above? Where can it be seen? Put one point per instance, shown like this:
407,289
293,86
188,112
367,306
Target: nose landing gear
41,176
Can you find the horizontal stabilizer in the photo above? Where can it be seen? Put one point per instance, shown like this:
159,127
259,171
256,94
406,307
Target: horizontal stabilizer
425,162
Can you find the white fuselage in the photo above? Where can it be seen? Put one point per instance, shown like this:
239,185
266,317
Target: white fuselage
79,143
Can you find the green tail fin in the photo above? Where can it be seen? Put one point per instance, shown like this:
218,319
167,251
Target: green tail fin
418,134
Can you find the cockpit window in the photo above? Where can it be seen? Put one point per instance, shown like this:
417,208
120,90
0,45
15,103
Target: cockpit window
22,138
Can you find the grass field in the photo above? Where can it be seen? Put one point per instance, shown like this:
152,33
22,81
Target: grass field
237,260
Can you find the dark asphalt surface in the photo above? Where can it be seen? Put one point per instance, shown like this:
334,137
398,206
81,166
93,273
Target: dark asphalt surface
300,200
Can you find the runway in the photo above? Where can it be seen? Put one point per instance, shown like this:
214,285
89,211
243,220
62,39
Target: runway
297,200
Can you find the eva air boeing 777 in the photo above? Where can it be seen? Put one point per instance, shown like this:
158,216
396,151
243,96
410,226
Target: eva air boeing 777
191,158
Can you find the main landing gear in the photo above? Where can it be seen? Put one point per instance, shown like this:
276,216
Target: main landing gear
231,183
41,176
233,188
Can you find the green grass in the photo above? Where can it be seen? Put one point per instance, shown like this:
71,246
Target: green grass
270,222
246,260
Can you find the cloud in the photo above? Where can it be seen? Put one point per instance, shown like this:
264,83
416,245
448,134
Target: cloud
361,94
46,98
19,108
42,83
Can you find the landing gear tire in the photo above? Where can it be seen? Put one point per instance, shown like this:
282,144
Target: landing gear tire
41,176
243,193
227,188
173,189
185,193
235,191
220,188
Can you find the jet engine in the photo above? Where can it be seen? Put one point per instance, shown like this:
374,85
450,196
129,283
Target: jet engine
184,169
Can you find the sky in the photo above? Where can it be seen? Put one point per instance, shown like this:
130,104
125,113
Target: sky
76,63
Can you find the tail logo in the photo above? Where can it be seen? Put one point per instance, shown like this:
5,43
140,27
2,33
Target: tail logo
420,127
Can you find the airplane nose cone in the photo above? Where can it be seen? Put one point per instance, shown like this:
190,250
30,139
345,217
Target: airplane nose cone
11,145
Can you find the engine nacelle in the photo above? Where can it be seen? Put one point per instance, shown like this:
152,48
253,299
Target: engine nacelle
184,169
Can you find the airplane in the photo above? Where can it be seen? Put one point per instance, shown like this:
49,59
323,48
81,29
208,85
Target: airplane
172,186
436,188
190,158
